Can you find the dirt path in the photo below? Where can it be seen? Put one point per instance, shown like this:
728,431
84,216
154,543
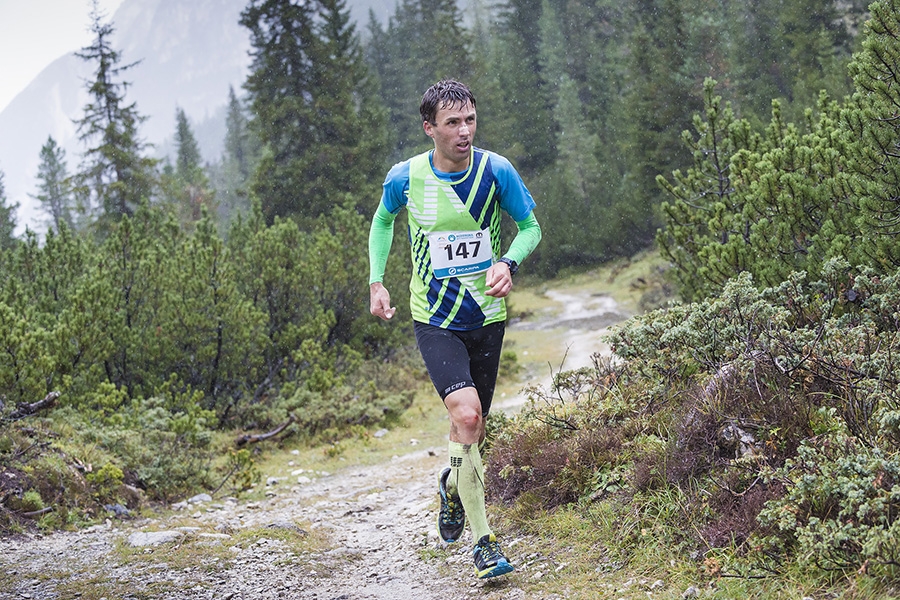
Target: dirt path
378,522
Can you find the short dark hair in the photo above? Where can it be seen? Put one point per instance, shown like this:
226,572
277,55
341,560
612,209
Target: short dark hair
445,93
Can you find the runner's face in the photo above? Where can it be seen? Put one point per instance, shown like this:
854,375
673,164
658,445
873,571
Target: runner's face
453,132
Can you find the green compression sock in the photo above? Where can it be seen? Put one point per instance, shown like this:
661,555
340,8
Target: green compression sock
468,472
453,482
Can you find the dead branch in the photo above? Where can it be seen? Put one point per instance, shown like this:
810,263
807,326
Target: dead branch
259,437
24,409
37,513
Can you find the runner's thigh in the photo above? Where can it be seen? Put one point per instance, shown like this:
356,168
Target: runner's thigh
446,358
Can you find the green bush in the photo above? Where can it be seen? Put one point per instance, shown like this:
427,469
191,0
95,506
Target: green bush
29,501
155,335
106,482
841,510
777,402
561,446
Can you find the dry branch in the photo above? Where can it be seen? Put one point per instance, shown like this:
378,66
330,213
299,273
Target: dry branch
252,439
24,409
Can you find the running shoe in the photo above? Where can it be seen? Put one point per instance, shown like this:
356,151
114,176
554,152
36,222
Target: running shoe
451,520
489,559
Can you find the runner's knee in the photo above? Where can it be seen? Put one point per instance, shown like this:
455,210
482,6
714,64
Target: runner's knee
464,408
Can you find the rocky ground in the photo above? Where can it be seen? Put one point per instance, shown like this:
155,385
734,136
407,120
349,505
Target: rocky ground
377,523
355,534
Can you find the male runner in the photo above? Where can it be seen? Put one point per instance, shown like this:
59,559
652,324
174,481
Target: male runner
453,196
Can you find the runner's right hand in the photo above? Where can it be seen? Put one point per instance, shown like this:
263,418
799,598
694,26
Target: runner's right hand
380,302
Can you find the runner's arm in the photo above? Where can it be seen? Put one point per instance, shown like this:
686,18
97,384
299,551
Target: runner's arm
381,235
526,239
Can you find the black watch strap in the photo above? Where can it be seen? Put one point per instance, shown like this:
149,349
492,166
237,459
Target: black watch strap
513,265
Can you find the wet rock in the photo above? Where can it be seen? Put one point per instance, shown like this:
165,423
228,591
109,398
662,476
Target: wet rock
117,509
153,538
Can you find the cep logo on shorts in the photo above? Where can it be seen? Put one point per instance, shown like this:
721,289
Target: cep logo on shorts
456,461
454,387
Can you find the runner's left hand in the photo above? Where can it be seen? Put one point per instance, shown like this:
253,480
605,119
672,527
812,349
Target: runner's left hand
499,280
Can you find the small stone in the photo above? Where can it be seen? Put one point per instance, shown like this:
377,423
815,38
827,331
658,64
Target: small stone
152,538
200,498
691,592
117,509
286,525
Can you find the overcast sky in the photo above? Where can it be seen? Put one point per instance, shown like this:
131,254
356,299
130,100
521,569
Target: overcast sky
34,33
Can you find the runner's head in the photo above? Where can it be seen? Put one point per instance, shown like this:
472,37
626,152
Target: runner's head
447,93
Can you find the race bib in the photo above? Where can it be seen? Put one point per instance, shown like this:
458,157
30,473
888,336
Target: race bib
455,253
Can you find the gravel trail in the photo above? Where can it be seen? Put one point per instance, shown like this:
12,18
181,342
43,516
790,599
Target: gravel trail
378,524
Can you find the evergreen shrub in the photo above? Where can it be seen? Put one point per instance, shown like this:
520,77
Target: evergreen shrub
840,510
772,412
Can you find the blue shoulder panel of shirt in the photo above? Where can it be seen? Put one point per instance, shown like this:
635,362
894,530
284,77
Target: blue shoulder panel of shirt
515,198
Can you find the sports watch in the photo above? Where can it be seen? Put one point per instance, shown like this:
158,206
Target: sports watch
513,265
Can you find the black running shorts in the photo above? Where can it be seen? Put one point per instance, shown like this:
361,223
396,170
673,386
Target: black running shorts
460,359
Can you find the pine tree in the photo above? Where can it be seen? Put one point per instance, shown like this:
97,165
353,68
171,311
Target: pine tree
789,50
238,143
659,104
193,188
114,176
239,155
768,204
350,130
871,121
188,164
404,58
390,55
278,87
816,46
524,111
54,186
7,218
216,335
570,227
306,92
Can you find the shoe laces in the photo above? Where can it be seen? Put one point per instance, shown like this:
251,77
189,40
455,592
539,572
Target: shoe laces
451,510
490,549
